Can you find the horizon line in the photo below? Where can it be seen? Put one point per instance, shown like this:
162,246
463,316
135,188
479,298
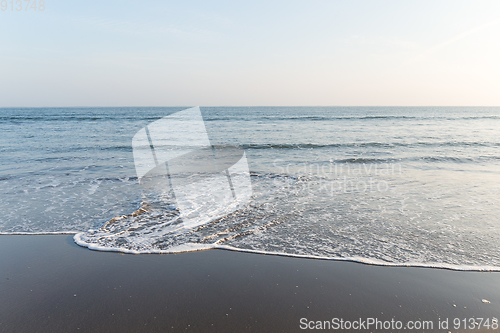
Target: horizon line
237,106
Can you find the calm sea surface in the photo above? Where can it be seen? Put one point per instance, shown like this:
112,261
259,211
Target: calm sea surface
386,185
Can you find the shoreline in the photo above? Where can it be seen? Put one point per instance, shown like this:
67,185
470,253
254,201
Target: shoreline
194,247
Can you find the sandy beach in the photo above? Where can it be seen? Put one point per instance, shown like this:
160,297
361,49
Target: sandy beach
49,284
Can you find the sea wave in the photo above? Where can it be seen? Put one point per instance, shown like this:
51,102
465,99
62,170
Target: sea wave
388,145
291,216
340,118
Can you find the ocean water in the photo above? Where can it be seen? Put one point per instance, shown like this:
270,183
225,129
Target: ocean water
410,186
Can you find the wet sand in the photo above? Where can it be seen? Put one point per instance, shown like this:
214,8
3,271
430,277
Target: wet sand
49,284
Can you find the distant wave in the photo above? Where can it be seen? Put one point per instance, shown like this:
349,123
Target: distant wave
73,181
367,160
75,118
284,146
239,117
40,233
365,144
74,149
446,159
427,159
333,117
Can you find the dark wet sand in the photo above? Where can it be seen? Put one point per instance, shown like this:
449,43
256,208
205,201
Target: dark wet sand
49,284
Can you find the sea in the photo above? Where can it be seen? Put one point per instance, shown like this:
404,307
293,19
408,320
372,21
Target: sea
395,186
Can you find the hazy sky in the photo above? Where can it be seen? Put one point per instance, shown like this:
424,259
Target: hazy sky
214,53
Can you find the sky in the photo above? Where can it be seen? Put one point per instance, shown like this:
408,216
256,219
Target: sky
250,53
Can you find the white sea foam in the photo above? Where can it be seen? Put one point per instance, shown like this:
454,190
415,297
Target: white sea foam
289,216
